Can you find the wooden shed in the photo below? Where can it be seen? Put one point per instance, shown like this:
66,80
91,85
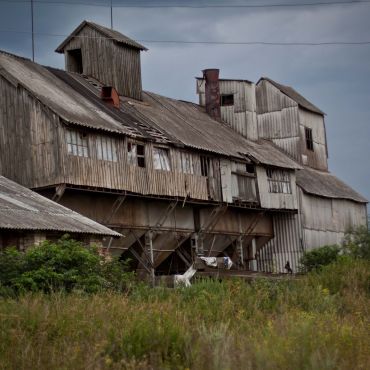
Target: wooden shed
27,218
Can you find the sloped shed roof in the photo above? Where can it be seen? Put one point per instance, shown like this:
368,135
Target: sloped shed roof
293,94
73,98
324,184
23,209
106,32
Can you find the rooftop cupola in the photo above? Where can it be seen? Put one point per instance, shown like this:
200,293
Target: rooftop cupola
106,55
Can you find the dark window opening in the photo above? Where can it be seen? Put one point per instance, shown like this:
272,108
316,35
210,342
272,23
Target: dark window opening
205,163
249,168
75,61
227,100
309,140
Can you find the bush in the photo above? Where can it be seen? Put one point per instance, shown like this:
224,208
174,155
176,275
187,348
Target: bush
356,243
319,257
63,265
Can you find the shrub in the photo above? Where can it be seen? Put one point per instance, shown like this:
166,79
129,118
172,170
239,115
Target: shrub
319,257
65,264
356,243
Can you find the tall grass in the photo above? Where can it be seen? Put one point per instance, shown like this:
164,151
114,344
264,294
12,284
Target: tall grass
320,321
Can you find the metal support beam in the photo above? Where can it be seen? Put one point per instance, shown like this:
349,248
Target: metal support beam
149,248
115,207
165,214
240,251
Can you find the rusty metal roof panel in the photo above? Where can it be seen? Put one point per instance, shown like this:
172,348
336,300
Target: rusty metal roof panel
23,209
106,32
293,94
324,184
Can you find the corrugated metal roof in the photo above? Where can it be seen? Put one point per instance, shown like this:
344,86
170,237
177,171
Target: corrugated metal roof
325,184
293,94
76,100
23,209
107,32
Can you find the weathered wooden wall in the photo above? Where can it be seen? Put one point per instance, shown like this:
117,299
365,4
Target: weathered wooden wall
122,176
325,220
276,200
28,138
278,119
318,157
242,115
111,64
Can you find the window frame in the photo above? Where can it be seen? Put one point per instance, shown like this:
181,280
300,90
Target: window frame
77,140
186,163
227,100
136,159
106,148
279,181
309,138
164,161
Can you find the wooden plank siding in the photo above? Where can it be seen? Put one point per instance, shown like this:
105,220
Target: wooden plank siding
122,176
318,157
28,138
276,200
241,116
109,63
326,220
278,119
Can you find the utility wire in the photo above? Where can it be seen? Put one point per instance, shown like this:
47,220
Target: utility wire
206,42
196,6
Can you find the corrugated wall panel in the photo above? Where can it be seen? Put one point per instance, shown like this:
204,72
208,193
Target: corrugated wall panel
285,246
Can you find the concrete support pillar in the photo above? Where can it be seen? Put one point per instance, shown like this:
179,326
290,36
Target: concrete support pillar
253,263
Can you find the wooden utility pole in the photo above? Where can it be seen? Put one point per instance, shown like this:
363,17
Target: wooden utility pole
33,34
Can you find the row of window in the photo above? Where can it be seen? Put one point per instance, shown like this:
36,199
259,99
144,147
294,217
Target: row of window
105,147
77,144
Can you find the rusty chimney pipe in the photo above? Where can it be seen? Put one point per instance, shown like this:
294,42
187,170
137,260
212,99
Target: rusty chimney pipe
212,93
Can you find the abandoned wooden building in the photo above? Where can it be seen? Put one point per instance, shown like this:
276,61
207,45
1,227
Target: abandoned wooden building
27,219
243,174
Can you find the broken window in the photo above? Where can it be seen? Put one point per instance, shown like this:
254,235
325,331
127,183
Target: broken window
161,159
249,168
106,149
205,165
77,143
309,140
279,181
227,100
136,154
186,163
74,61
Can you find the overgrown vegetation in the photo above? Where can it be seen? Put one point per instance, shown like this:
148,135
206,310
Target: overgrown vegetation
318,321
356,244
63,265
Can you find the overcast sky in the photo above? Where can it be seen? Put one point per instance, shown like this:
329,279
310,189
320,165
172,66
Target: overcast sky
335,78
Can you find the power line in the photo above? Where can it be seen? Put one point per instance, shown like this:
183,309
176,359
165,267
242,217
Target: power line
208,42
196,6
